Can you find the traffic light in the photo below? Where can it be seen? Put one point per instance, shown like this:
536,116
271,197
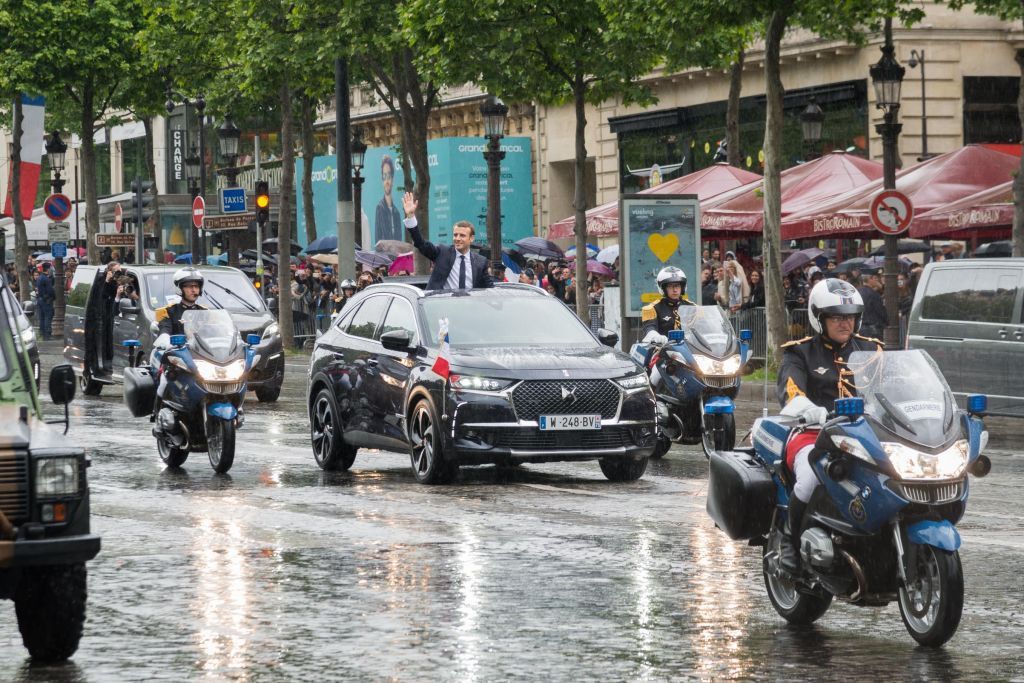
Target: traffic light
262,202
142,197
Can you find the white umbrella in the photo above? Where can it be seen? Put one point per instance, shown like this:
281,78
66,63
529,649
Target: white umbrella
608,254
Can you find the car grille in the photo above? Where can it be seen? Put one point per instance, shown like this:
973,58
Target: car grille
14,486
534,398
930,494
719,381
534,439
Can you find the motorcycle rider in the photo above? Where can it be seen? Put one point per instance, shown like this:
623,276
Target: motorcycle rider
813,375
660,317
189,282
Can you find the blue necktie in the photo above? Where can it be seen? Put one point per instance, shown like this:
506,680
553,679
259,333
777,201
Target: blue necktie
462,272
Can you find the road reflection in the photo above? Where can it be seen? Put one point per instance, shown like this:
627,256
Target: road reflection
470,567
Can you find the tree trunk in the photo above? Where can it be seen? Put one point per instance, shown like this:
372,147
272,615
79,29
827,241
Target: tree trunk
772,250
414,144
92,207
158,231
308,210
21,250
284,222
1018,180
732,113
579,202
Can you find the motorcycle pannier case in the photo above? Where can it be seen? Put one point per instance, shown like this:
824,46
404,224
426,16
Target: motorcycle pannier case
741,494
139,391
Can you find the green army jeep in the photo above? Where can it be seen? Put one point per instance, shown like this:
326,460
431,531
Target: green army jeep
44,506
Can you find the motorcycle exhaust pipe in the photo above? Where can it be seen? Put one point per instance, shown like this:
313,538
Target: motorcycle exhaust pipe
982,466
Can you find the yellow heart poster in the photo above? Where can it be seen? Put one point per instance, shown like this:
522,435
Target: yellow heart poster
658,231
663,246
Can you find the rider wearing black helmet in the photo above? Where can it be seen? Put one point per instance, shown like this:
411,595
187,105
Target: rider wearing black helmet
189,283
663,315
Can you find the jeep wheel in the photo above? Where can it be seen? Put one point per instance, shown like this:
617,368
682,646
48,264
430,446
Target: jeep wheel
50,604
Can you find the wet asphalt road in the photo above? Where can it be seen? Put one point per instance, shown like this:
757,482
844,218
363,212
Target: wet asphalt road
279,571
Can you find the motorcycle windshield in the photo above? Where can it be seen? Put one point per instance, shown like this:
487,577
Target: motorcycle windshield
905,393
708,330
212,334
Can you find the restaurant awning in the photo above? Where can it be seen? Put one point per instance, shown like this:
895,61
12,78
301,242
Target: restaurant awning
986,214
930,185
604,220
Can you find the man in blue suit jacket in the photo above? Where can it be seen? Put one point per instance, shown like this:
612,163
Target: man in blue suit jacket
455,267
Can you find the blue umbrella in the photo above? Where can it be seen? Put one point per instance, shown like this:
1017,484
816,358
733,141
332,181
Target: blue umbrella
323,245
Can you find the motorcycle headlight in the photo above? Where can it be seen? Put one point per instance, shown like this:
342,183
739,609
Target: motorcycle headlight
211,372
851,446
271,330
178,362
913,464
56,477
474,383
711,366
633,381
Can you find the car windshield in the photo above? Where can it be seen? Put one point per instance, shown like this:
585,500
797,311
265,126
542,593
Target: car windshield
211,331
905,393
227,289
708,327
495,320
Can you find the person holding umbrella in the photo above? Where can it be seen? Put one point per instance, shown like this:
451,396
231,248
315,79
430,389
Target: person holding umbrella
455,267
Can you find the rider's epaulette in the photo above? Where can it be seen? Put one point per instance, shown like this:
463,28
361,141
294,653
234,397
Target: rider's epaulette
795,342
161,314
870,339
648,313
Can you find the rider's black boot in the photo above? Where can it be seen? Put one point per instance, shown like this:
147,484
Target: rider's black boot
789,549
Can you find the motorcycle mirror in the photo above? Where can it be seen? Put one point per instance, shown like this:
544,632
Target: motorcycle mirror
177,340
676,336
746,335
252,339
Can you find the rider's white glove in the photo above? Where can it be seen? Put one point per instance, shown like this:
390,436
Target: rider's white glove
801,406
654,338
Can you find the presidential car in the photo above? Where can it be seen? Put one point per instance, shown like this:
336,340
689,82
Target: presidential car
520,379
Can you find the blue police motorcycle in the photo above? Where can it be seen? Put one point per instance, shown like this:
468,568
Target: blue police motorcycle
697,376
206,372
893,467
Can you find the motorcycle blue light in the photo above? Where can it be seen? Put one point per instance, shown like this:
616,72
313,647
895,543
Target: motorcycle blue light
252,339
719,406
177,340
675,336
131,343
852,407
977,403
746,335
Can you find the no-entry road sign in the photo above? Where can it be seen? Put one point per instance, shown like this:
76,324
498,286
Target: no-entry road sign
198,211
891,212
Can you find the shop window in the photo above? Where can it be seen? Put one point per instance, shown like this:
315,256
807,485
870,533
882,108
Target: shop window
990,109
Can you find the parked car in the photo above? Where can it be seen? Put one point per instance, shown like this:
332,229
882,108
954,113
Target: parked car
25,337
45,539
968,314
96,325
529,382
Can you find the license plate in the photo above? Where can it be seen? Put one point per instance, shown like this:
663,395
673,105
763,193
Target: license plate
549,423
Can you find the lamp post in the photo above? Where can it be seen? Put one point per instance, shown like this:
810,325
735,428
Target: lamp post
56,151
887,78
494,112
358,159
196,242
229,135
915,59
811,120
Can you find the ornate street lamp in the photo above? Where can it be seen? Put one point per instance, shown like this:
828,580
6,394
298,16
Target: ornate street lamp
887,77
494,112
56,152
192,171
358,159
811,120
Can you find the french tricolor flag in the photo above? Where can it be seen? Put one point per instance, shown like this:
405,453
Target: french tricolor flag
441,365
32,110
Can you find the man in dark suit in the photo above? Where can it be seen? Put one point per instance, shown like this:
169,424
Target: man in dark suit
454,266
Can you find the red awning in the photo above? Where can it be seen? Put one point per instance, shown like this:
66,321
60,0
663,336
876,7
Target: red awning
604,220
931,184
803,186
988,213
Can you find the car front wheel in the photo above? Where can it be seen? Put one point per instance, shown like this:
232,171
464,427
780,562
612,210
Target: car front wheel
427,453
326,430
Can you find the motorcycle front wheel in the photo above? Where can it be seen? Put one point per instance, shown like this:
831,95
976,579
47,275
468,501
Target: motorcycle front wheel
792,604
220,443
933,601
171,456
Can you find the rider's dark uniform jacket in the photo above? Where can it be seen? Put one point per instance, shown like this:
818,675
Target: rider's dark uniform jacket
662,315
815,367
169,317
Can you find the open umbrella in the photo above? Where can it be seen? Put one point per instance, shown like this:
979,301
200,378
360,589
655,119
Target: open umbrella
592,250
876,262
250,254
800,258
271,246
322,245
392,247
402,262
906,247
597,268
608,254
326,259
540,247
849,264
44,257
372,259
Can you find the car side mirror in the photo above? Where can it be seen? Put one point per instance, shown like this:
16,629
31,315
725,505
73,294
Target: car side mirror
607,337
62,384
128,306
29,308
272,304
396,340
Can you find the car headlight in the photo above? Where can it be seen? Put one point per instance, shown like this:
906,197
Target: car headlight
211,372
271,330
56,477
913,464
851,446
711,366
474,383
634,381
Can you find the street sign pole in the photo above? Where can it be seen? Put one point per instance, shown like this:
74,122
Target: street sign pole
58,207
140,241
259,228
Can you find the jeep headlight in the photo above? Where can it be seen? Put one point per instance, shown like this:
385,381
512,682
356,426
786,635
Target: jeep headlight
913,464
211,372
637,381
56,477
711,366
271,330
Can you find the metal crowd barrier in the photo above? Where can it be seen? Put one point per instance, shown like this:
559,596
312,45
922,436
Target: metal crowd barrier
309,317
596,317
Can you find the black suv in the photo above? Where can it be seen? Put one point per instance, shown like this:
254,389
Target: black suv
45,539
528,382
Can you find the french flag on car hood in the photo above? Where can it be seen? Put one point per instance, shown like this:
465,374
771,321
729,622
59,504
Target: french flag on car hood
32,112
441,365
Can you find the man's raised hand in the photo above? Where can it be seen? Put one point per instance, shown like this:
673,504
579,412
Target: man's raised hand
410,204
